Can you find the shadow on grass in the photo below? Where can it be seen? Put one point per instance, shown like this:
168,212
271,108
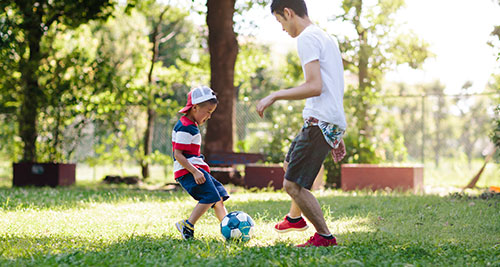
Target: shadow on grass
77,196
61,198
172,251
400,229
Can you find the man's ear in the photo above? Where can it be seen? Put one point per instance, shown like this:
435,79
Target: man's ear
288,13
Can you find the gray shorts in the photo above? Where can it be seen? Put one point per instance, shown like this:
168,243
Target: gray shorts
305,156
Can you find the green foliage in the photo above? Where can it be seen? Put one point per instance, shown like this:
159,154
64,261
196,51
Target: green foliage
286,119
10,144
377,47
495,41
30,27
95,82
285,116
125,51
495,85
495,136
105,226
251,73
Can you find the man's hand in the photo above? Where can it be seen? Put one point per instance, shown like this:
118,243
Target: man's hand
199,178
285,165
339,153
264,103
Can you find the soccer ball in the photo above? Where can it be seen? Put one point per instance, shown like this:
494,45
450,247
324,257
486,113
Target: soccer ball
237,225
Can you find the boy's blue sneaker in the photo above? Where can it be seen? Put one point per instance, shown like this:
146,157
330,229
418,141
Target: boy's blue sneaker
186,230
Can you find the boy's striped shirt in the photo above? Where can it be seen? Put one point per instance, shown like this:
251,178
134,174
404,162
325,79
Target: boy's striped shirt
186,137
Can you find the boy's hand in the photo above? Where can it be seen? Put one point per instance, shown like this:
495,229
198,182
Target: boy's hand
199,178
264,103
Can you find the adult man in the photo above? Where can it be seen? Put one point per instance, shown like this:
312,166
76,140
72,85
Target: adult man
324,119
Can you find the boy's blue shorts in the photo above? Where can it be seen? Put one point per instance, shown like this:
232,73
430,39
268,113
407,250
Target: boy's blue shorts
211,191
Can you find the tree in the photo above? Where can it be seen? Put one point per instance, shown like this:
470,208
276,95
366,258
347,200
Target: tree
223,48
34,19
374,48
439,112
145,79
165,25
495,85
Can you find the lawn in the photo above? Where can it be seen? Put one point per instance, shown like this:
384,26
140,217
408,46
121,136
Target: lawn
100,225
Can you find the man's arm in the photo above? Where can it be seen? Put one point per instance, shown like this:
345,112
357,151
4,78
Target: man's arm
197,174
310,88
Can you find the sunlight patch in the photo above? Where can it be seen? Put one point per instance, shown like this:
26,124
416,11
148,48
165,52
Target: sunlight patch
351,224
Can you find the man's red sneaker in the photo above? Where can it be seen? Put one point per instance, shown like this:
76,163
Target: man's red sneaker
286,226
318,241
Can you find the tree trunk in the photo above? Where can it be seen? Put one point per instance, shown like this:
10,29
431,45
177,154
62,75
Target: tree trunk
223,48
148,142
148,134
31,95
439,117
363,97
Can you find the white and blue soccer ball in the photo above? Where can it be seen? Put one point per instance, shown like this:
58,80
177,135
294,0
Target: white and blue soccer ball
237,225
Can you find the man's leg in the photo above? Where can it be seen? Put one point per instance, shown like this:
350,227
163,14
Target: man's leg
295,211
294,208
308,204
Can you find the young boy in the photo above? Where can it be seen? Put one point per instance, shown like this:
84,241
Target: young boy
324,119
190,169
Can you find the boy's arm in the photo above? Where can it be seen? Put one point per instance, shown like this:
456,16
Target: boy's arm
199,178
311,87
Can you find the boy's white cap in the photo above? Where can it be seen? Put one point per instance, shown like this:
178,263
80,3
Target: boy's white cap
198,95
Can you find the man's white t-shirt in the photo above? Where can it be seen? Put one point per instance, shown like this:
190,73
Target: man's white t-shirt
315,44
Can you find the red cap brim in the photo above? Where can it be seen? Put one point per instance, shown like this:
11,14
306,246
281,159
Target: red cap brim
185,109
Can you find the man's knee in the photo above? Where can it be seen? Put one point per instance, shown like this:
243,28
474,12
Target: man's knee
291,188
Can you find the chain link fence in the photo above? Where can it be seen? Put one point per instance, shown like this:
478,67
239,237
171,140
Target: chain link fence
436,128
413,129
447,133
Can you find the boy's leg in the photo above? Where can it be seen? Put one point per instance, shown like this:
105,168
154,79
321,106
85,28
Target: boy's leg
198,210
186,227
208,194
220,210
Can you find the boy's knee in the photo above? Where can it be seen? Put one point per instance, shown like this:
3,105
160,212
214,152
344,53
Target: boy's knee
217,204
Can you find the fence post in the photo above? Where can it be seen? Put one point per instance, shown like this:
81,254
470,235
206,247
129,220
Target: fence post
423,128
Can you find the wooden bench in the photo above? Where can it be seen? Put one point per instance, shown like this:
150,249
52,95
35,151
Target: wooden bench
228,159
223,168
223,165
257,174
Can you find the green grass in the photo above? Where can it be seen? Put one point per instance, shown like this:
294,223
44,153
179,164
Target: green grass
96,225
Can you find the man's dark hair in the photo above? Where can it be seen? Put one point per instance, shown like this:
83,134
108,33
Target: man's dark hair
298,6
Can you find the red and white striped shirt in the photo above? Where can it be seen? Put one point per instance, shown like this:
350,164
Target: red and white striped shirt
186,137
